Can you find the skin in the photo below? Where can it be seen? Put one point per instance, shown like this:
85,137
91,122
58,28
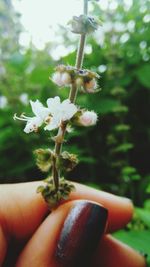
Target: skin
27,224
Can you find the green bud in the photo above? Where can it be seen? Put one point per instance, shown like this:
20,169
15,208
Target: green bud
67,161
53,196
84,24
43,159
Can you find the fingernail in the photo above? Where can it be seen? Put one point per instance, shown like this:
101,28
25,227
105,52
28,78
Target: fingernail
81,233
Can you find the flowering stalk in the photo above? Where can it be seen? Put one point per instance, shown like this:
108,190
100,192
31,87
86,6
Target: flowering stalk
60,115
72,97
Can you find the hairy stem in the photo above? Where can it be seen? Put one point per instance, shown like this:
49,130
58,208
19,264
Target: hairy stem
72,97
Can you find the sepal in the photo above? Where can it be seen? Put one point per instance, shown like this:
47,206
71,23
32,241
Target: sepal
44,159
84,24
53,196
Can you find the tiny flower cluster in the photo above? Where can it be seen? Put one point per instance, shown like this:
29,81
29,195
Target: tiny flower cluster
84,79
53,196
84,24
54,115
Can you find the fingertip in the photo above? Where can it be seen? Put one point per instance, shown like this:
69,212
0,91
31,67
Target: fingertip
67,236
112,252
120,209
121,214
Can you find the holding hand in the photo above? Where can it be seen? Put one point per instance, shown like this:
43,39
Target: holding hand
30,236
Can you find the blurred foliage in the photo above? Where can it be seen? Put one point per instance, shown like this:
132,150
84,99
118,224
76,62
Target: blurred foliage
114,156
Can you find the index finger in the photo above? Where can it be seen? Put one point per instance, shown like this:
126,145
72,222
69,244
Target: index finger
22,210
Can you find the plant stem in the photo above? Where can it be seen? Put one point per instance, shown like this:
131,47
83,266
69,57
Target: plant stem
72,97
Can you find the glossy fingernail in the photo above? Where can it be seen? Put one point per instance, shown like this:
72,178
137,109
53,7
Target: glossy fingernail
80,234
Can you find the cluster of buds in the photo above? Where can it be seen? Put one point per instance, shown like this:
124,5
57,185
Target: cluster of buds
84,24
44,159
53,197
84,79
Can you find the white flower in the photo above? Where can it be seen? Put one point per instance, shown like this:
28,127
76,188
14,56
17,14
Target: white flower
52,116
3,101
88,118
33,123
59,112
57,78
91,86
24,98
61,78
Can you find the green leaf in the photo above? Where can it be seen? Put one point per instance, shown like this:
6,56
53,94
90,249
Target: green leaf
106,105
122,128
148,189
144,215
138,240
143,75
136,177
120,109
128,170
123,148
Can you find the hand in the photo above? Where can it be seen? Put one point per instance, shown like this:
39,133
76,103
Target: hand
29,233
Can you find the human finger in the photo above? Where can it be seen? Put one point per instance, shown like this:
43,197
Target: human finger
112,252
69,237
22,209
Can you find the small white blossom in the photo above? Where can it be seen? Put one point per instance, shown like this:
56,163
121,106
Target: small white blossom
91,86
61,78
57,78
33,123
88,118
59,112
24,98
52,116
3,101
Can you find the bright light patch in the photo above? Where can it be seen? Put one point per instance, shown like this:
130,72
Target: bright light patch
40,18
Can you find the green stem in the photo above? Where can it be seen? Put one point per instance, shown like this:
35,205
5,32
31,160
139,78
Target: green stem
72,97
80,53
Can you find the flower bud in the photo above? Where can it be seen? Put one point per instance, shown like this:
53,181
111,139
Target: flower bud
66,78
57,78
61,78
88,118
79,82
90,86
84,24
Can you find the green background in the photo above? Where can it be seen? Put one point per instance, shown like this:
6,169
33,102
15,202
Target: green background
114,155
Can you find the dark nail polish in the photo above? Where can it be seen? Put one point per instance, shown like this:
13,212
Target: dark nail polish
80,234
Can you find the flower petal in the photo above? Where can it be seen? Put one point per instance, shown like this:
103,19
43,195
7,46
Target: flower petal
33,124
39,110
68,110
53,104
52,125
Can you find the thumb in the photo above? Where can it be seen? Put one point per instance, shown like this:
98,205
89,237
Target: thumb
68,236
